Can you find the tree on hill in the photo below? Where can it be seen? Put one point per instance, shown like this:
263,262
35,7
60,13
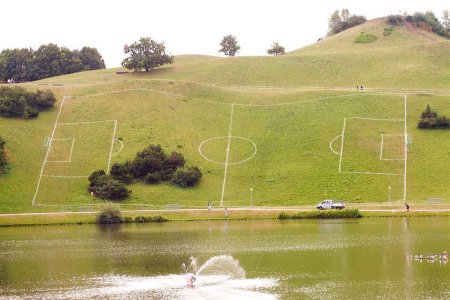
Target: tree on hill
276,49
446,20
341,21
91,59
428,21
229,45
146,54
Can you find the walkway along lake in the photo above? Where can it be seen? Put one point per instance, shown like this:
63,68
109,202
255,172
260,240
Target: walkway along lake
307,259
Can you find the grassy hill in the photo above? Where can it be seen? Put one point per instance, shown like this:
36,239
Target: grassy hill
297,129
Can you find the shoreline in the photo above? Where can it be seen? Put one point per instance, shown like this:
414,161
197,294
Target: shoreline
203,214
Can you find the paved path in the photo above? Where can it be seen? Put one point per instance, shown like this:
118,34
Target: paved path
439,208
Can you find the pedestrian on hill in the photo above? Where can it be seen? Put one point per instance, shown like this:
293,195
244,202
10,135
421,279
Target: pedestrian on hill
407,206
225,213
209,205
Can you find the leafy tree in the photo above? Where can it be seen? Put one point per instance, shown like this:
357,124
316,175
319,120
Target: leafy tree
430,19
229,45
91,59
46,61
146,54
446,20
341,21
276,49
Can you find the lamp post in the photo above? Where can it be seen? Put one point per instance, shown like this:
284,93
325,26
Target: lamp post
251,197
389,193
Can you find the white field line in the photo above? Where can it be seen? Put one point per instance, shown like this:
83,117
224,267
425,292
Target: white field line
86,123
373,173
227,155
71,149
46,153
215,102
406,157
70,154
381,147
374,119
224,137
66,176
121,147
335,152
342,146
112,145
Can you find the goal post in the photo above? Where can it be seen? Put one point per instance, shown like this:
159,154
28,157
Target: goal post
409,142
44,146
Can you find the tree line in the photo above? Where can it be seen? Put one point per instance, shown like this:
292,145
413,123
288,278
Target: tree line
48,60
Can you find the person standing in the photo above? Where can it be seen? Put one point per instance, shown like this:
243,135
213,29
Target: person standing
225,213
209,205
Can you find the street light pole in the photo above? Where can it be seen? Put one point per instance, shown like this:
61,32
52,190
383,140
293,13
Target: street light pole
389,193
251,197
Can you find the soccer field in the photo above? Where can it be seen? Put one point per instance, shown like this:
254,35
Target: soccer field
281,149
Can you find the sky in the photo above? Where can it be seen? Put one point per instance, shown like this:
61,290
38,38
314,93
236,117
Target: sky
185,26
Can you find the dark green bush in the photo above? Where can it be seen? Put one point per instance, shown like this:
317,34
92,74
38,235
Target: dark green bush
186,177
16,102
153,165
105,187
122,172
430,119
140,219
323,214
109,215
3,162
152,178
150,219
283,216
394,20
128,220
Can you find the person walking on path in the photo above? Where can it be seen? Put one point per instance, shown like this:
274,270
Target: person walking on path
407,206
209,205
225,213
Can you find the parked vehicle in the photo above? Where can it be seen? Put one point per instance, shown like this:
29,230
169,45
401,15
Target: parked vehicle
329,204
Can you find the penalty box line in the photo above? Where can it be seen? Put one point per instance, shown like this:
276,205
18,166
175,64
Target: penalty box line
71,151
41,173
342,145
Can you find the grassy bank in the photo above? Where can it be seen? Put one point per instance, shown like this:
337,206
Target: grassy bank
202,215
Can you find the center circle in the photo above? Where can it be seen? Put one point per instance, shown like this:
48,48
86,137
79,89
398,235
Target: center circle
221,144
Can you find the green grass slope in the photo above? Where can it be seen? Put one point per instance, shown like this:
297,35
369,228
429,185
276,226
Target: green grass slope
281,117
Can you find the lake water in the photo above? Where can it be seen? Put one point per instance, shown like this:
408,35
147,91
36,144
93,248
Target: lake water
314,259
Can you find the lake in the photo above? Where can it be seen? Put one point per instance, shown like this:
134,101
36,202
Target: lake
295,259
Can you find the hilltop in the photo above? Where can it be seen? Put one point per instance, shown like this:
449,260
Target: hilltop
297,129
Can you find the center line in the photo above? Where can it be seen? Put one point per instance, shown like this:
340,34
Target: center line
227,155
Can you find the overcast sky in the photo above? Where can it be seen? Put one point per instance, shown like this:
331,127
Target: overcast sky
186,26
